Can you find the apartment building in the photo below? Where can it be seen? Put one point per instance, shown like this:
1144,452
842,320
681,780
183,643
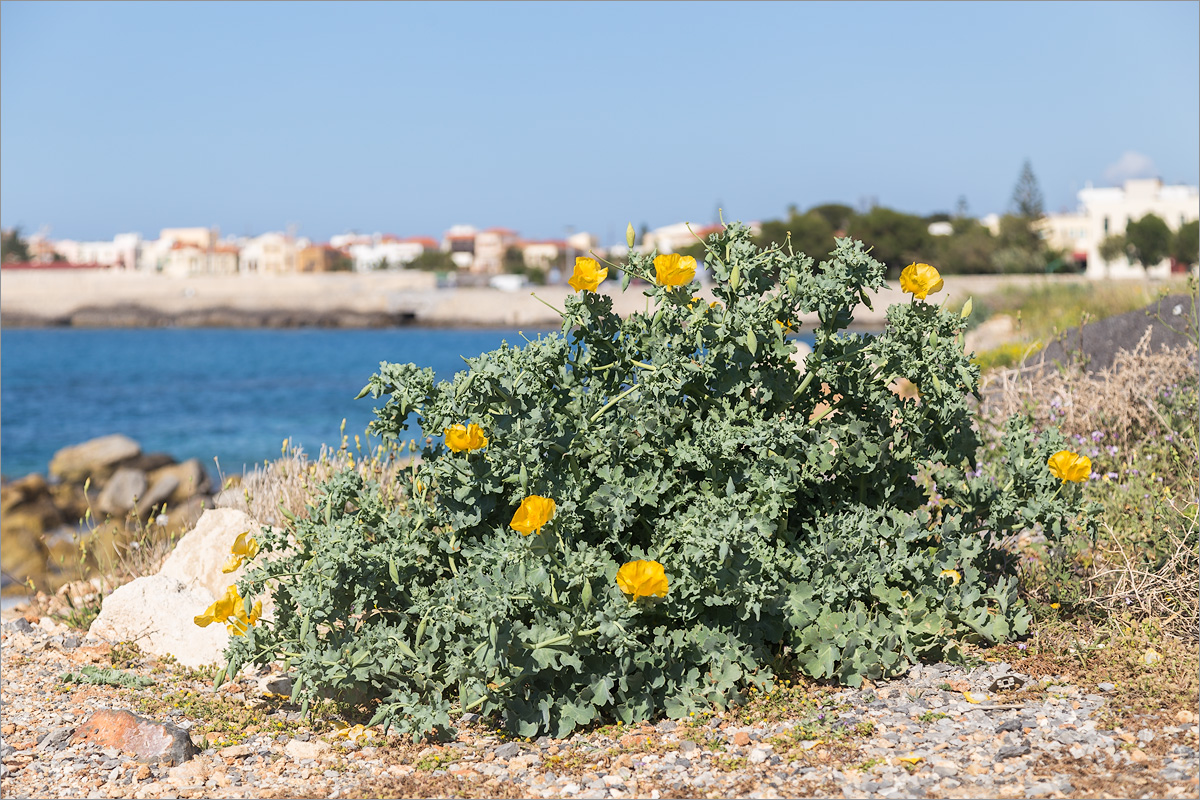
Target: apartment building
1108,210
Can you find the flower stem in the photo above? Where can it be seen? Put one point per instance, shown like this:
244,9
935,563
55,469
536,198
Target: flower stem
613,402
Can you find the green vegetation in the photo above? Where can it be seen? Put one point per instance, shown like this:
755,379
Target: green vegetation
105,677
783,512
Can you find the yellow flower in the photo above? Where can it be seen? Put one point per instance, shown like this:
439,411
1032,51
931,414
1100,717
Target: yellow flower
642,579
920,280
588,275
1069,466
674,270
230,609
535,511
352,732
221,610
952,574
245,547
465,437
1054,605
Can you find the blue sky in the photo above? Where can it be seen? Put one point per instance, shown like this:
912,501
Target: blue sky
410,117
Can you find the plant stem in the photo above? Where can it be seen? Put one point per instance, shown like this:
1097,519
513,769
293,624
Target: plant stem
613,402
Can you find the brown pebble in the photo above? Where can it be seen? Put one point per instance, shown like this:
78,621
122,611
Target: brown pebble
146,739
741,738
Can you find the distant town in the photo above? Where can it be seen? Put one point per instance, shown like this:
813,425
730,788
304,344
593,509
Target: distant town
1097,239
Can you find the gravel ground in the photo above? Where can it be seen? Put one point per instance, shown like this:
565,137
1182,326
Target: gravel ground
919,736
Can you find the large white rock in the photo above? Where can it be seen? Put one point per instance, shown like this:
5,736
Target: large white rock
202,552
96,458
157,612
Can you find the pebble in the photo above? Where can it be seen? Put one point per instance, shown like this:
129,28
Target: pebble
908,750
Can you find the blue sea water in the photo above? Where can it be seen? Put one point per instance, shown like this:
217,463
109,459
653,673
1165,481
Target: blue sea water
232,395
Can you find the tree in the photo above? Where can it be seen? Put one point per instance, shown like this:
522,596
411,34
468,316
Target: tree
811,234
1186,244
968,250
1113,247
895,238
433,261
12,247
1027,199
514,261
836,214
1149,240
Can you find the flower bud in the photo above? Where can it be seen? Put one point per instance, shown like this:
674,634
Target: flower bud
629,235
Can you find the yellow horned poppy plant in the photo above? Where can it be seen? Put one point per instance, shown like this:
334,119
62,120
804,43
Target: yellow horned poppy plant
465,437
230,609
673,269
952,574
588,275
245,547
534,513
642,579
1069,466
920,280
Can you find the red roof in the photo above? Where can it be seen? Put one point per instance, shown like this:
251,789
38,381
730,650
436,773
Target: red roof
424,241
502,231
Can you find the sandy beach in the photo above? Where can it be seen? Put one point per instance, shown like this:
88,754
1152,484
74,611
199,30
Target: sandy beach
120,299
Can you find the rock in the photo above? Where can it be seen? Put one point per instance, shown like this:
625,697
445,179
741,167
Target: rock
156,496
1012,751
144,739
189,773
24,554
945,769
23,490
741,739
56,739
19,625
199,556
149,462
192,478
299,751
688,746
1097,343
95,459
758,756
158,612
122,491
469,718
507,750
1106,687
234,751
1016,724
185,515
279,684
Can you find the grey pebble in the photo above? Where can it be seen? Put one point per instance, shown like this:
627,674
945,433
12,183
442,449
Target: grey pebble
507,750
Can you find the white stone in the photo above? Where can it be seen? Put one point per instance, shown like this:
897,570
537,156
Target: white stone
199,556
157,612
758,756
122,490
299,751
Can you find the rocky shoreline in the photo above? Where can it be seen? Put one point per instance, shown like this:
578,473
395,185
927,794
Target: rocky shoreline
136,316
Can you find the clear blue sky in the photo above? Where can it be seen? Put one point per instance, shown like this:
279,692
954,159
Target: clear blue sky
410,117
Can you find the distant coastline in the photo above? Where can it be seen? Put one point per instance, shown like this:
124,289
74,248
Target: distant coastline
104,299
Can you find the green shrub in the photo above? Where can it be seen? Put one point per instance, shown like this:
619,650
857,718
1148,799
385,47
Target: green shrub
817,519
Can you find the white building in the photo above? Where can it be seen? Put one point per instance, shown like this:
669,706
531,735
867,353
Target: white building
387,251
270,253
1109,210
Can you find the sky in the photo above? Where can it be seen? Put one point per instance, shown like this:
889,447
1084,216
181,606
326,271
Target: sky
408,118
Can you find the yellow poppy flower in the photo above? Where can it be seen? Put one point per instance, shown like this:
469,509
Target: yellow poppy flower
672,269
920,280
642,579
588,275
465,437
1069,466
245,547
222,609
241,621
952,574
535,512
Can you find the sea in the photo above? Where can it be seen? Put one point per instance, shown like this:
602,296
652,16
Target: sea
228,397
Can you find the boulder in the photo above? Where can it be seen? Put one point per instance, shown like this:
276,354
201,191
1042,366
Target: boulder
198,558
95,459
122,491
186,514
191,476
23,490
158,612
157,495
23,554
144,739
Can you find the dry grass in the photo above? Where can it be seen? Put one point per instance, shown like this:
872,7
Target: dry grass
292,481
1138,419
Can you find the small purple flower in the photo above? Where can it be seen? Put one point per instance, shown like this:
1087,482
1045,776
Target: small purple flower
1110,475
1021,646
1097,436
1112,449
